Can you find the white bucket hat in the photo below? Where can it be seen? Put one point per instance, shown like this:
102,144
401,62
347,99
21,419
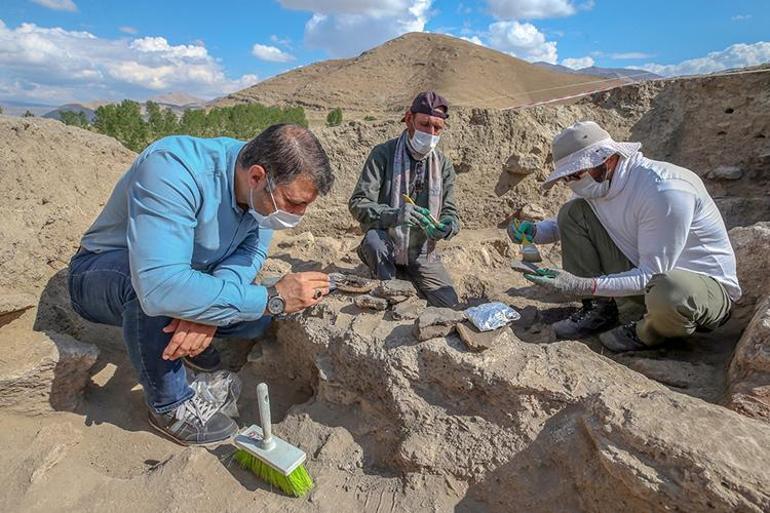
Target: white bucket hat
584,145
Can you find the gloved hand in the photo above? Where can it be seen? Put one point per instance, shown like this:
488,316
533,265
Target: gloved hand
438,231
412,215
518,230
563,282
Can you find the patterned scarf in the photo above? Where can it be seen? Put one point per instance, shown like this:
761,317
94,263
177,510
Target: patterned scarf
400,185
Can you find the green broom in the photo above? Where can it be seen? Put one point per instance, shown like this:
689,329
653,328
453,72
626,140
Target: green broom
270,458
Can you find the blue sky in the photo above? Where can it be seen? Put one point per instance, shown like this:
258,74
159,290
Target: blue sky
56,51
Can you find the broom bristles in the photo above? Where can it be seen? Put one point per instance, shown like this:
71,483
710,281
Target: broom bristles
297,484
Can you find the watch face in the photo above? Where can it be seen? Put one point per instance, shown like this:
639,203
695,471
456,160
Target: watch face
275,305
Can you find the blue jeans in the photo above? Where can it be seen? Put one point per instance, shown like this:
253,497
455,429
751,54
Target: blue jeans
101,292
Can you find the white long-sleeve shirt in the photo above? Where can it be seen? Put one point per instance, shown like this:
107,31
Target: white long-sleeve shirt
662,218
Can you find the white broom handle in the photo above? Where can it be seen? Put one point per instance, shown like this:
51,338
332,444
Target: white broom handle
264,415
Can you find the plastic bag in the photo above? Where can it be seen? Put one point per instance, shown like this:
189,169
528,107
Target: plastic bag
491,316
221,387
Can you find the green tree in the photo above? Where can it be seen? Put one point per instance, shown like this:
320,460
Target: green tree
78,119
1,109
334,118
28,114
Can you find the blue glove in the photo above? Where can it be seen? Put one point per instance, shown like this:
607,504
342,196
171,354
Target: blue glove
517,231
438,231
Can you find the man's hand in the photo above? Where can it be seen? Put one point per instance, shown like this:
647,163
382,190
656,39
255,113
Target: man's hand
437,231
190,338
302,290
563,282
412,215
520,231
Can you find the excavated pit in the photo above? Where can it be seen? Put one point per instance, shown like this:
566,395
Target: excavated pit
390,423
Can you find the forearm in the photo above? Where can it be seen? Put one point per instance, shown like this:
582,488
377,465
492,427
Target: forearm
547,231
372,214
243,265
629,283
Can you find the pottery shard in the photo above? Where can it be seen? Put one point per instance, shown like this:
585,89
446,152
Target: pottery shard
395,291
409,309
478,341
42,371
436,322
353,284
749,373
366,301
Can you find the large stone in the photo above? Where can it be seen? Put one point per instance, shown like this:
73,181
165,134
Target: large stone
436,322
42,371
725,173
409,309
749,373
366,301
751,245
478,341
395,291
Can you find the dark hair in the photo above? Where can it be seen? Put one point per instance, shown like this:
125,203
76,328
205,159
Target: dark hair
286,152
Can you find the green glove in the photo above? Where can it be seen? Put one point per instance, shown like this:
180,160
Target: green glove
519,231
412,215
439,231
563,282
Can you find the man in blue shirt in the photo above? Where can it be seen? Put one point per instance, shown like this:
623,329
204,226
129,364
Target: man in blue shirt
173,256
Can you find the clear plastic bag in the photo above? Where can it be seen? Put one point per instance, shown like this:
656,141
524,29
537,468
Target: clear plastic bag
221,387
490,316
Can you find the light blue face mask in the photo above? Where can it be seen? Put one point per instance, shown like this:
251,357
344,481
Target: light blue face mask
589,188
276,220
423,142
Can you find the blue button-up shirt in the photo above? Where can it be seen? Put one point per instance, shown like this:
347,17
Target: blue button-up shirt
193,252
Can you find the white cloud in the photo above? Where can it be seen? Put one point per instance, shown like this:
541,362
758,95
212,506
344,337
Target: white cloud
346,27
630,55
128,30
53,65
473,39
741,17
531,9
57,5
522,40
735,56
578,63
270,53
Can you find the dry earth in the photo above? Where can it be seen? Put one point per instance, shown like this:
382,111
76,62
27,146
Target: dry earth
391,423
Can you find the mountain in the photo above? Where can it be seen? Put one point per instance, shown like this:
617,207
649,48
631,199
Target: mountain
624,74
16,108
179,99
88,108
386,78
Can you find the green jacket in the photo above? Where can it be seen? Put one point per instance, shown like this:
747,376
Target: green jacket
370,202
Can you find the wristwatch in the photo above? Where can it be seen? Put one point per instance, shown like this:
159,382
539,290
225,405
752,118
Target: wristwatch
275,303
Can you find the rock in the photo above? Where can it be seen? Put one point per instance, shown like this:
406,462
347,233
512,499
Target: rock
523,164
749,372
436,322
366,301
750,244
478,341
42,371
533,212
395,291
409,309
14,304
669,372
726,173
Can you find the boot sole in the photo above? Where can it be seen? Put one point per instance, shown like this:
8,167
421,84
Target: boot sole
185,443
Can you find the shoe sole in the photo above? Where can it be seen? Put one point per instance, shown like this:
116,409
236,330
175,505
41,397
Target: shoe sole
185,443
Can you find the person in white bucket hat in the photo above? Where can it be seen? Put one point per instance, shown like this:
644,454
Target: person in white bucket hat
636,228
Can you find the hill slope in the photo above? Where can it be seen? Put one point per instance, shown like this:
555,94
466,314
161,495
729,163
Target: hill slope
387,77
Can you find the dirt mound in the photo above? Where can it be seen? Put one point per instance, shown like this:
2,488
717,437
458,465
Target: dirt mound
53,181
386,78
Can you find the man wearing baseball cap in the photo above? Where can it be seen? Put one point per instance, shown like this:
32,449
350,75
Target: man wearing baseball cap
404,200
636,227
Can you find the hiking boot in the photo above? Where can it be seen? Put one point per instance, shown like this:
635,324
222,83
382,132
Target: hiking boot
194,422
207,361
622,339
594,317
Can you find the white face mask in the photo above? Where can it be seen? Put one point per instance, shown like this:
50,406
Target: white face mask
278,219
423,142
589,188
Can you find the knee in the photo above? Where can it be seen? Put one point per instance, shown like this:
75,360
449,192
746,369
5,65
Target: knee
376,241
570,212
665,294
